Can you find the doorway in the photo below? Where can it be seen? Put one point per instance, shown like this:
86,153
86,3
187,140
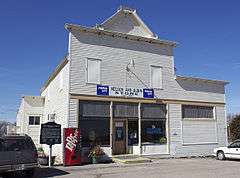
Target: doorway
119,137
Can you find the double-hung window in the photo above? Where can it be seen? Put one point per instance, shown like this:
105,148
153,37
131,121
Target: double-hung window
34,120
156,77
93,71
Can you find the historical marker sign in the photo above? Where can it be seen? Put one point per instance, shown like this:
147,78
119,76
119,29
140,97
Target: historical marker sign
50,133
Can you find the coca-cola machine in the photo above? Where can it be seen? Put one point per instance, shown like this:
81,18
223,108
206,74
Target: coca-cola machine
72,146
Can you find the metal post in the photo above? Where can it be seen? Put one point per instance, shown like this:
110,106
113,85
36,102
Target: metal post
50,156
139,129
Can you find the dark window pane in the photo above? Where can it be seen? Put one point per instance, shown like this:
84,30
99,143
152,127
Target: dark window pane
15,144
95,131
31,120
125,110
37,120
189,111
235,145
154,111
1,145
153,131
94,109
132,132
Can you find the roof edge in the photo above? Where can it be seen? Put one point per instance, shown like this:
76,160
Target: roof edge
179,77
59,67
120,35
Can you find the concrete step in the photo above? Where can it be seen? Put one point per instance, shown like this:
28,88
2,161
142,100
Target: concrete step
130,159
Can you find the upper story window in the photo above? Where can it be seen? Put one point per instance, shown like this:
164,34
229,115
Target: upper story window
197,112
93,71
156,77
34,120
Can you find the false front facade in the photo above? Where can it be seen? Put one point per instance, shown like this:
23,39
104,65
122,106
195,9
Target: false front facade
118,85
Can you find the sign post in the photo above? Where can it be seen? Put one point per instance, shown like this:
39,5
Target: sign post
50,135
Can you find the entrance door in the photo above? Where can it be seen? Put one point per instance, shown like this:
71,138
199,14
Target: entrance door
119,140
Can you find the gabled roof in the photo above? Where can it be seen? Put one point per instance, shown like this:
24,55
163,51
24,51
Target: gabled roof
122,12
119,35
196,79
59,67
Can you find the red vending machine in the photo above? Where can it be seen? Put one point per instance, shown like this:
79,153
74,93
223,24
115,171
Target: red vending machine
72,146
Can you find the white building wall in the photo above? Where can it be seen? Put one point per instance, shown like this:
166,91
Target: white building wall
116,53
57,102
30,106
196,147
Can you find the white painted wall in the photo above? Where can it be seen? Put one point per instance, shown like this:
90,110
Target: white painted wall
30,106
116,53
57,102
198,145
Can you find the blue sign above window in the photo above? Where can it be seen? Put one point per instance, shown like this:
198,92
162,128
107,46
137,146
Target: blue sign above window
148,93
102,90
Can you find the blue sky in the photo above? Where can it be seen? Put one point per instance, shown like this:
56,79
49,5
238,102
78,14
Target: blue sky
33,40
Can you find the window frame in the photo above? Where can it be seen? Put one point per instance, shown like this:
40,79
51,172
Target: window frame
87,75
34,121
161,79
198,118
165,134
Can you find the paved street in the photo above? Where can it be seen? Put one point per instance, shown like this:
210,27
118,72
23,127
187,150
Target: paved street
170,168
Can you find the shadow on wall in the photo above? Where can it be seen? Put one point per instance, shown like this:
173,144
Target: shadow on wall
201,86
120,43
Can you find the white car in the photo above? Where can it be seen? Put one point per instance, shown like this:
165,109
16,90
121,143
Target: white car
232,151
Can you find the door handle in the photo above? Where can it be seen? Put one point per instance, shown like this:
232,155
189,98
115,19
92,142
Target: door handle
236,149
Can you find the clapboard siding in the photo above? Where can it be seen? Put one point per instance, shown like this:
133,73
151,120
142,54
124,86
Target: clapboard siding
73,113
116,53
199,131
30,106
126,24
177,134
57,102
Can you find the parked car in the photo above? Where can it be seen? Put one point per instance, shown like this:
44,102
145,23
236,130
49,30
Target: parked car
232,151
17,154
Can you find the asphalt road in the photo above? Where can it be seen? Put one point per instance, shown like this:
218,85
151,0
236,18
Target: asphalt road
167,168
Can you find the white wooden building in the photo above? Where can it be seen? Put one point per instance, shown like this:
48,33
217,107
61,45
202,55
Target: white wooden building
118,85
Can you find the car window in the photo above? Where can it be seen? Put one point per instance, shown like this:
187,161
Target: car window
15,145
235,145
1,145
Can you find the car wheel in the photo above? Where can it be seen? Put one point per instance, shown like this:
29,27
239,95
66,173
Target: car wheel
30,172
221,155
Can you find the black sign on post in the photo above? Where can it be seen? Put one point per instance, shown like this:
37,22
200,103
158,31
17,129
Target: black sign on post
50,133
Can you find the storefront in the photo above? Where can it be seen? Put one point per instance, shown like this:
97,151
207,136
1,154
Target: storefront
123,127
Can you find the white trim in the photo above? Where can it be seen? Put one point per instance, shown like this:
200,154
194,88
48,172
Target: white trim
69,43
200,143
86,70
161,82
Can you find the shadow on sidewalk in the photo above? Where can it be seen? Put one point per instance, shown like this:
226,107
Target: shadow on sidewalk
40,173
49,172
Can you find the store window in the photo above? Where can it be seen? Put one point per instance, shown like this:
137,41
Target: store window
153,124
34,120
132,131
191,111
94,123
153,131
93,71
